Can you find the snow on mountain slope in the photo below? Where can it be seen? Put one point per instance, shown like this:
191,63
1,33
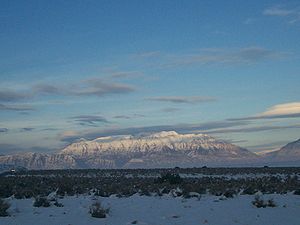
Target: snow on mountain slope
158,142
163,149
289,152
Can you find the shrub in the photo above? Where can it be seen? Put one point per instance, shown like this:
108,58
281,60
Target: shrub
96,210
271,203
3,208
249,191
41,202
297,192
171,178
260,203
58,204
230,193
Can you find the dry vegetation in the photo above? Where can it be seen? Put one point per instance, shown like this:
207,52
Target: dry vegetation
188,183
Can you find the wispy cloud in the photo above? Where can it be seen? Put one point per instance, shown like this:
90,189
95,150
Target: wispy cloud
182,128
182,99
41,88
90,87
253,129
170,109
147,54
286,110
126,74
98,87
127,117
8,95
90,120
249,21
278,11
293,14
27,129
16,107
247,55
3,130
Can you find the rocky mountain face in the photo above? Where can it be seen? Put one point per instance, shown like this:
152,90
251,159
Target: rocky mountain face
163,149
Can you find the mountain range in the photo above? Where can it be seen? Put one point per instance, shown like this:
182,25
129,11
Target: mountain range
157,150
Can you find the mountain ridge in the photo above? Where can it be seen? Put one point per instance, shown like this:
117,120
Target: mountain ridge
162,149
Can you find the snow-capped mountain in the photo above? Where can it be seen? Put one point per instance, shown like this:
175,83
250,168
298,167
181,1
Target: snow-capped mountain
288,154
163,149
190,144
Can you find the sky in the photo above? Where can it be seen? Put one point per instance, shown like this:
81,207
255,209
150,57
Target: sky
84,69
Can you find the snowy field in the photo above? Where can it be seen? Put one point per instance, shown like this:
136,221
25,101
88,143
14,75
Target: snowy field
165,210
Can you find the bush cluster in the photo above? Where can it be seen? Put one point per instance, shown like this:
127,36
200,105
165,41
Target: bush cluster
41,202
4,206
261,203
98,211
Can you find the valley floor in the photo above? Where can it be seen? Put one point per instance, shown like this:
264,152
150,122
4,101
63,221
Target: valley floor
165,210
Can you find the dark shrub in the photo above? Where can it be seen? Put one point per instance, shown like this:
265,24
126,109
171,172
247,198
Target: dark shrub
171,178
96,210
41,202
260,203
249,191
230,193
3,208
58,204
297,192
271,203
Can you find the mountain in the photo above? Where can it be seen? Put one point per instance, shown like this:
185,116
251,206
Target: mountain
287,155
31,160
163,149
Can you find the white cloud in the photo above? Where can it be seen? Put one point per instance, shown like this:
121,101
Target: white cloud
282,109
277,11
293,14
286,110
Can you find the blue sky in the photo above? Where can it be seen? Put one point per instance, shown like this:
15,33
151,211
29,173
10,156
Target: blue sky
83,69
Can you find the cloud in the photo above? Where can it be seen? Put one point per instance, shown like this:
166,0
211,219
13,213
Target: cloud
122,117
170,109
89,120
136,115
27,129
127,74
147,54
278,11
247,55
286,110
253,129
91,87
3,130
264,148
15,107
98,87
182,99
249,21
46,89
293,14
7,95
12,149
181,128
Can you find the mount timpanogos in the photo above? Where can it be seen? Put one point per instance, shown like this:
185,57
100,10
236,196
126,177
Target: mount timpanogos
163,149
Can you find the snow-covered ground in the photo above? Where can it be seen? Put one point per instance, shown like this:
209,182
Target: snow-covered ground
165,210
